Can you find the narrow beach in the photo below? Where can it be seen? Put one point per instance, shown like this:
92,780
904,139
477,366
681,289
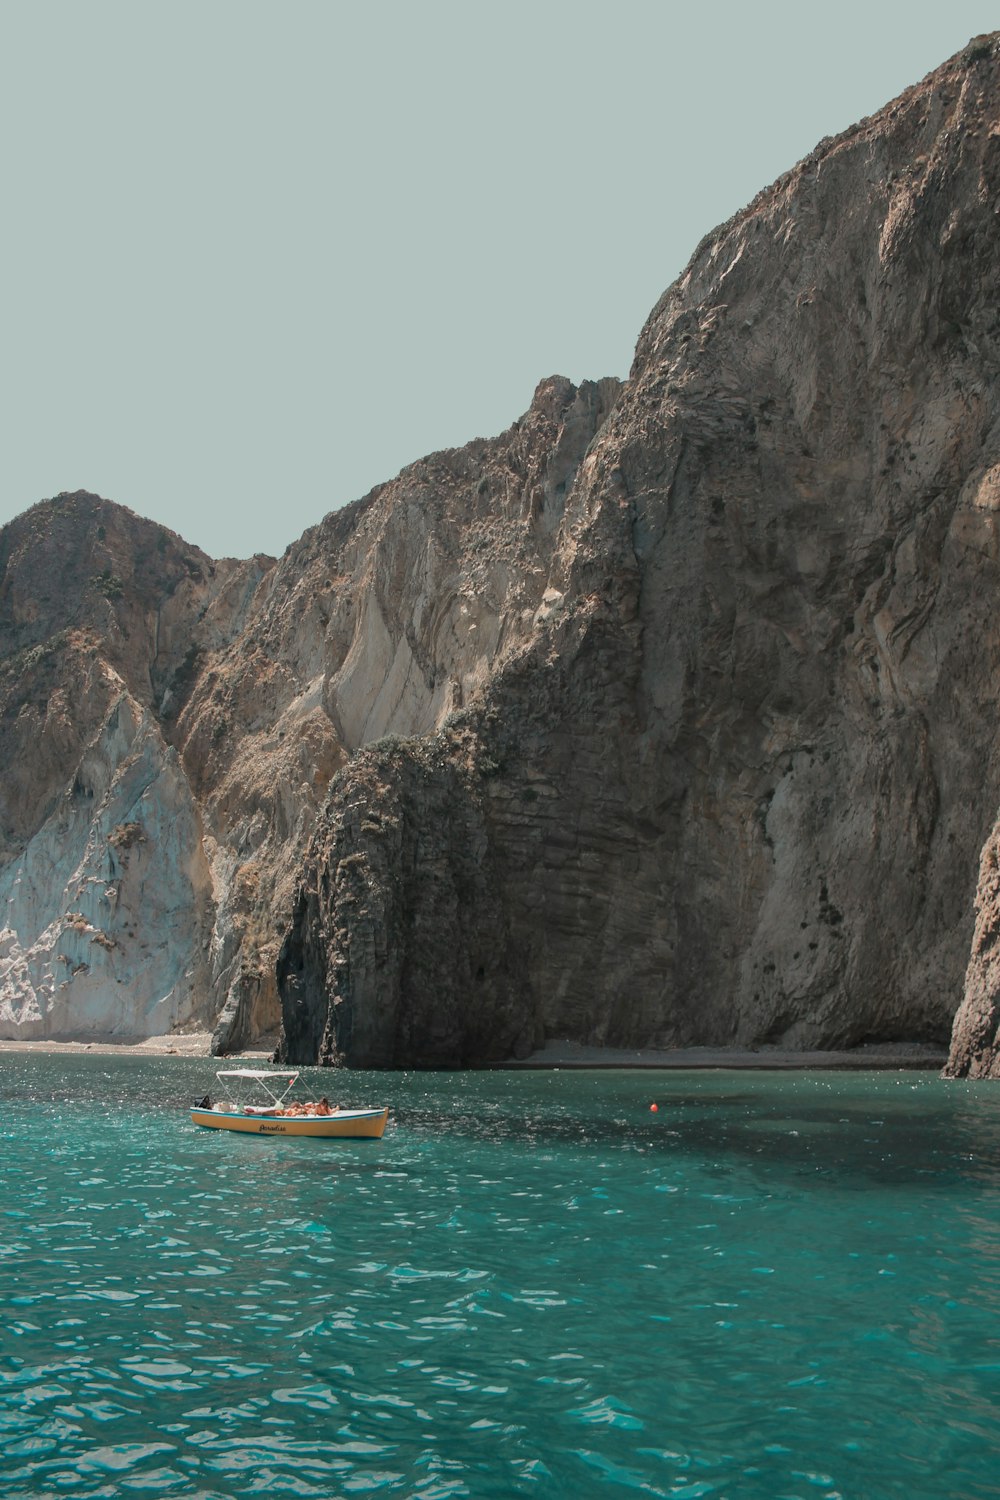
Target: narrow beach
555,1054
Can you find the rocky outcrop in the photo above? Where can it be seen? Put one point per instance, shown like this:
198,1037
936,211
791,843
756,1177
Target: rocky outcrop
975,1042
663,718
384,619
107,905
407,865
107,911
744,764
252,683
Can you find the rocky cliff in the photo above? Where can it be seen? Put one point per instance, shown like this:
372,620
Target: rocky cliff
663,718
106,888
170,725
733,787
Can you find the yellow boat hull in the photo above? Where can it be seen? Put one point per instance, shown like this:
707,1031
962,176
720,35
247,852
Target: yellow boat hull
349,1124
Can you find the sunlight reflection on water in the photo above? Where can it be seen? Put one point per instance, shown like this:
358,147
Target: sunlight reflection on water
777,1285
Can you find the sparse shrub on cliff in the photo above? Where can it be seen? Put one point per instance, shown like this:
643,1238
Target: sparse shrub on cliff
247,881
389,744
107,584
33,656
181,682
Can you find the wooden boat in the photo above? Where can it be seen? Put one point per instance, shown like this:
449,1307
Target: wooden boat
276,1117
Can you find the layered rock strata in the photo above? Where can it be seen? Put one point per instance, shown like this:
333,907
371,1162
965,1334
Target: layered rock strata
106,884
254,682
737,780
664,718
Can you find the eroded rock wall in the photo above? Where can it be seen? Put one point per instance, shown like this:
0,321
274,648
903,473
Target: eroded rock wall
745,764
406,865
382,620
107,912
664,717
253,683
975,1042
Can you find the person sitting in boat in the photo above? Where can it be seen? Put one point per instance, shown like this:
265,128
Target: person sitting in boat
323,1107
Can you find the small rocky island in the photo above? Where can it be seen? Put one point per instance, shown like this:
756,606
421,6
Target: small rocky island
663,719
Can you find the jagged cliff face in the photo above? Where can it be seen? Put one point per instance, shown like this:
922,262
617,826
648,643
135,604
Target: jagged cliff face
735,786
106,906
663,718
241,688
382,620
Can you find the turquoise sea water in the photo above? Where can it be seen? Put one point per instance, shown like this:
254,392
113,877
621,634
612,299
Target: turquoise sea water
777,1285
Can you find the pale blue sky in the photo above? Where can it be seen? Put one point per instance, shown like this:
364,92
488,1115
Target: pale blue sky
257,257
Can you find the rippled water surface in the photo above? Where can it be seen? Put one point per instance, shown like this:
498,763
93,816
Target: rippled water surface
776,1285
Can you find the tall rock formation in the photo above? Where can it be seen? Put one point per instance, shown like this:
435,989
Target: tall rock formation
975,1041
106,902
243,687
665,717
733,787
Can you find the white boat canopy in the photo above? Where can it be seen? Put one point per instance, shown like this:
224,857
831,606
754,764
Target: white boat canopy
256,1073
268,1081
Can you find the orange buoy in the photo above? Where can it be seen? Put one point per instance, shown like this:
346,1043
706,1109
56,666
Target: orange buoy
654,1108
